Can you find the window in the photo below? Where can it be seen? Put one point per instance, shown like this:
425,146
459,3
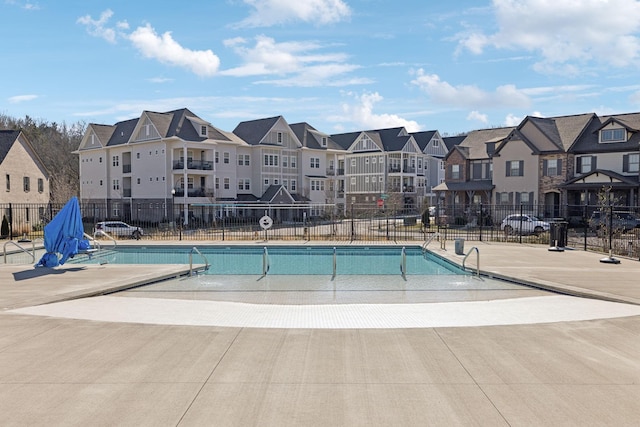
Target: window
100,183
26,183
8,182
353,181
217,183
353,163
227,183
612,135
631,163
315,162
116,184
293,185
552,167
585,164
324,141
515,168
240,159
436,142
285,161
138,180
293,162
455,171
116,160
40,185
217,157
203,130
99,159
225,158
266,182
137,155
279,138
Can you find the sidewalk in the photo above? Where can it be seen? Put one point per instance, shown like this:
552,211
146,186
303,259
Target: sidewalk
65,372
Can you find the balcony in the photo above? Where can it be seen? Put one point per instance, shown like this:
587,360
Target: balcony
126,168
331,171
195,192
126,192
394,169
206,165
409,169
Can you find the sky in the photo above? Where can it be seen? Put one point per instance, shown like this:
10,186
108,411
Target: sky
339,65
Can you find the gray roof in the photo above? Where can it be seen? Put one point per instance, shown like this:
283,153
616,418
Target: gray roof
390,139
589,141
253,131
167,124
7,138
617,181
423,138
310,137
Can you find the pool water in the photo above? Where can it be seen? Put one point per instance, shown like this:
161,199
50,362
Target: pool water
288,260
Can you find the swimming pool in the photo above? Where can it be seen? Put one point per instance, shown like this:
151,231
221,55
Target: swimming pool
288,260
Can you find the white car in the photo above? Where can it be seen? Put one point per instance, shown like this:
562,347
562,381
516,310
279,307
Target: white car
523,224
119,228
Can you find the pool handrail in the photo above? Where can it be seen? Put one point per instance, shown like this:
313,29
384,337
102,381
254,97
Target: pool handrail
335,263
102,233
206,261
21,248
477,259
403,263
265,262
443,243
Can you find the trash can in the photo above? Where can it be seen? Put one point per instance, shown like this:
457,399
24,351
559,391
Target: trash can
558,234
459,246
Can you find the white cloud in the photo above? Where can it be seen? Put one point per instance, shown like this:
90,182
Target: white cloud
22,98
362,115
97,27
468,96
160,47
298,61
166,50
477,116
565,32
275,12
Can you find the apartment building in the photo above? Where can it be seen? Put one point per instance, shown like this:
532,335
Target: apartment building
181,168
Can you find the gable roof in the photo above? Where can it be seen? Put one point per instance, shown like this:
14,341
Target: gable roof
474,145
389,139
605,177
589,141
7,139
423,138
310,137
561,131
253,131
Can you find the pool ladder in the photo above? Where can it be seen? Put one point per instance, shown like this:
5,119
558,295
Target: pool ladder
206,261
477,259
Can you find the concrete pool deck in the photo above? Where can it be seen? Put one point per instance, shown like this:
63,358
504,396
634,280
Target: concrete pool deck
56,371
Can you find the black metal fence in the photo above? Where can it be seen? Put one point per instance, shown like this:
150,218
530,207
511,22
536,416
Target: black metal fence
595,228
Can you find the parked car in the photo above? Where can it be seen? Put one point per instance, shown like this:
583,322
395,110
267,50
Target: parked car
620,220
523,224
119,229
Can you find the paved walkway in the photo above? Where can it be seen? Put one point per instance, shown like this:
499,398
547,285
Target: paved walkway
57,371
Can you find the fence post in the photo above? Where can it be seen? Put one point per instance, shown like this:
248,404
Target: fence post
10,221
481,221
353,231
520,232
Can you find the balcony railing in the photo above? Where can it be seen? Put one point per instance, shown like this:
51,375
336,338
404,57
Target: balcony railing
394,169
126,192
195,192
126,168
206,165
409,169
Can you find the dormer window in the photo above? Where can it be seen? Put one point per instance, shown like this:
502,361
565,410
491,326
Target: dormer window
324,141
279,138
612,135
203,130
